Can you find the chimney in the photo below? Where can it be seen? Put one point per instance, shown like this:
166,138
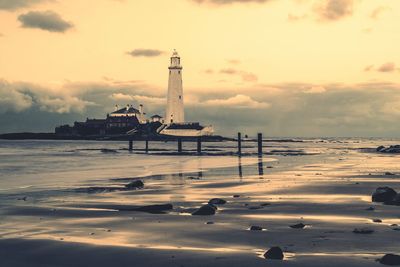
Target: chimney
116,108
127,108
141,109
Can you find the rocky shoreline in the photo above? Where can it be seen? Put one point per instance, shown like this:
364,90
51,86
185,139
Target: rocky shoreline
395,149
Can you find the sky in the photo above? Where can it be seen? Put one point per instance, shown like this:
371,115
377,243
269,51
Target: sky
282,67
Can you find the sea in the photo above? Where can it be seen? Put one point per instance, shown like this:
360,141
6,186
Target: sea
34,165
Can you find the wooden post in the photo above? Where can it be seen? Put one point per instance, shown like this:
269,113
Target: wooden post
130,145
179,145
147,146
260,166
240,170
239,140
199,145
259,141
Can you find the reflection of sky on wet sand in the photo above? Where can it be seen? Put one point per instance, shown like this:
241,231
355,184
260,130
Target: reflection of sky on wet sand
327,194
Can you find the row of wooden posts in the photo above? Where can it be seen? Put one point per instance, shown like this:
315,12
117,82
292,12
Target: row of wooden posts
199,140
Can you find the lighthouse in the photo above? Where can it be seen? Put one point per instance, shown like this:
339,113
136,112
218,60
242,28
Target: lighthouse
175,111
174,122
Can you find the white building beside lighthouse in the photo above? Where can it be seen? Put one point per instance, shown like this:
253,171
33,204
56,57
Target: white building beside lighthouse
175,112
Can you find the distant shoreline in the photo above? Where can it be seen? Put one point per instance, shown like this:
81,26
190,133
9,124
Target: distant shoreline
53,136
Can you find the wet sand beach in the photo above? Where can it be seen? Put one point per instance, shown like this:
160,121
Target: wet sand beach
68,204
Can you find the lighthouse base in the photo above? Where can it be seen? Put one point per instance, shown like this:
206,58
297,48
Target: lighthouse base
189,129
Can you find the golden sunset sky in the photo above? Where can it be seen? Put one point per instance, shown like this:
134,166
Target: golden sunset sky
231,49
276,41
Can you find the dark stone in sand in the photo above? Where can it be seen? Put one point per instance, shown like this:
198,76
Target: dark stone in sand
380,148
377,220
209,222
392,149
256,228
255,207
135,184
265,204
383,194
97,189
370,208
217,201
298,226
153,208
235,196
390,259
106,150
274,253
214,206
205,210
363,231
389,173
395,201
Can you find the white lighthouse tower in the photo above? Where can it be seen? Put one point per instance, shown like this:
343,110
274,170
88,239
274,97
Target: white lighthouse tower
175,111
174,123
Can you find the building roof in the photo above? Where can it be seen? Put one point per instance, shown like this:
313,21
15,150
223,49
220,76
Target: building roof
125,110
156,116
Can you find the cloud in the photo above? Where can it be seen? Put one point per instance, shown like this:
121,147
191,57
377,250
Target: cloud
12,100
46,20
331,10
228,71
387,67
287,109
227,2
302,109
315,90
11,5
141,99
376,13
239,101
369,68
146,53
233,61
66,104
18,97
246,76
392,107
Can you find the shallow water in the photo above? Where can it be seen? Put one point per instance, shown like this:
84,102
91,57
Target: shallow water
44,203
